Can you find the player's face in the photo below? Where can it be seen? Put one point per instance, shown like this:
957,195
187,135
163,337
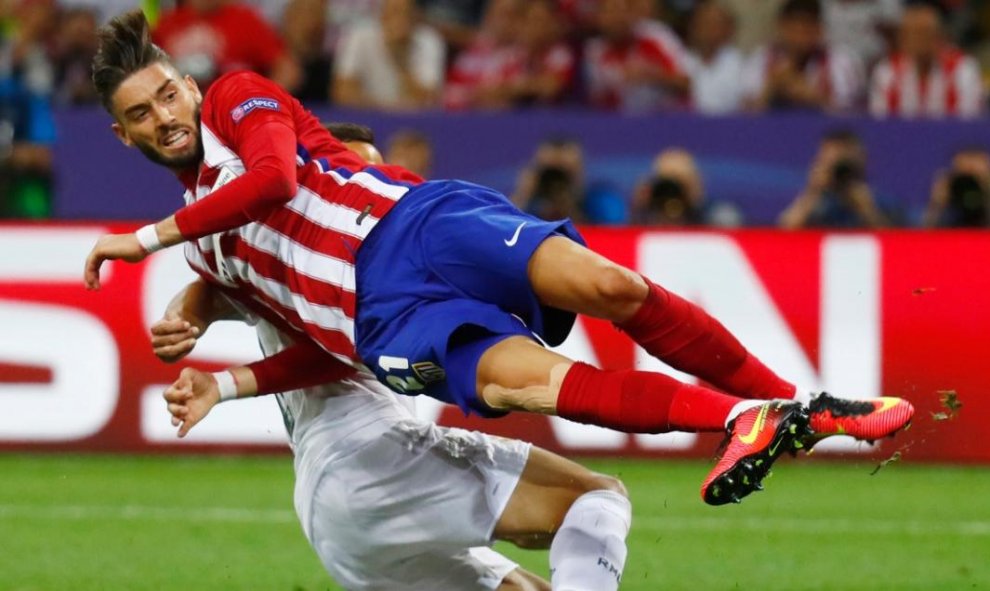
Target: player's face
157,111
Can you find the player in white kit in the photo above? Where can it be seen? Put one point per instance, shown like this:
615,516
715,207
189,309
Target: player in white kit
391,502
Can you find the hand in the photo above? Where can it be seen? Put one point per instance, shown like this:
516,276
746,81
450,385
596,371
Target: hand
190,398
111,247
819,178
173,337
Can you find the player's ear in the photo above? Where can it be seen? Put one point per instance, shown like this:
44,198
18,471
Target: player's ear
193,87
118,130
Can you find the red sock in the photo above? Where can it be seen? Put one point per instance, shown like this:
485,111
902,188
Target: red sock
640,401
685,337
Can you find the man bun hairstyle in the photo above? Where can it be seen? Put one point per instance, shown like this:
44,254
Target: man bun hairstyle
125,47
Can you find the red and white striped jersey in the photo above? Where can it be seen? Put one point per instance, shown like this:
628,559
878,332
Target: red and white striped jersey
294,263
836,72
484,63
953,87
653,45
557,60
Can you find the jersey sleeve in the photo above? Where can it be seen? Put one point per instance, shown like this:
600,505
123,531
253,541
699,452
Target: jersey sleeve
300,366
252,116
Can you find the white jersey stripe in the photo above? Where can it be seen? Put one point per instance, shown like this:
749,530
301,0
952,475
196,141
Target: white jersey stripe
331,215
280,314
329,318
370,182
216,154
306,262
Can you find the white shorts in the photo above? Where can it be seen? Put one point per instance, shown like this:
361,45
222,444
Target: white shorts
412,507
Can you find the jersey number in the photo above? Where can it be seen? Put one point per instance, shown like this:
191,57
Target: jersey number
409,384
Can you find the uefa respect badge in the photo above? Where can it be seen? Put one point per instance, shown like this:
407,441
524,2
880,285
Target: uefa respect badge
242,110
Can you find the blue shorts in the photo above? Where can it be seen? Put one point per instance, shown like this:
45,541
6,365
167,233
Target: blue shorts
442,278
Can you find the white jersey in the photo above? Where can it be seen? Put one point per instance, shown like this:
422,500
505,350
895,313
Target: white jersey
388,501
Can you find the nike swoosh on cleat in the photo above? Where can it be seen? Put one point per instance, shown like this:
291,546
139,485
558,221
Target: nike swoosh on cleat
761,418
515,237
888,403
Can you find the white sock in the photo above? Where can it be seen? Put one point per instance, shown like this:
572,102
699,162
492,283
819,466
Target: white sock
741,407
589,551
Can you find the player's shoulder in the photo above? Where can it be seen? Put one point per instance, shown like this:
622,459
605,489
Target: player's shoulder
240,81
245,90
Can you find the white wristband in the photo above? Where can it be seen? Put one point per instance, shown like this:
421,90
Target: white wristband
148,237
226,384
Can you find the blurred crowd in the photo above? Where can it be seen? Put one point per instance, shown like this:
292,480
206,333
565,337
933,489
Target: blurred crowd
889,58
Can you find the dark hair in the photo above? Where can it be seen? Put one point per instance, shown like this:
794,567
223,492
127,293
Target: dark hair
940,10
842,135
967,149
801,8
125,47
560,140
350,132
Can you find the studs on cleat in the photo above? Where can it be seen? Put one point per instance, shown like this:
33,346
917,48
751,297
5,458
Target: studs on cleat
735,499
758,486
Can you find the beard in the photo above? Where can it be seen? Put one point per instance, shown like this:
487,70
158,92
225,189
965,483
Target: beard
190,159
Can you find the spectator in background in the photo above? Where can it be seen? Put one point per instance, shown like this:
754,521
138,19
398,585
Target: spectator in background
553,186
104,10
866,27
926,76
394,63
457,21
799,71
208,38
73,51
479,71
715,65
674,195
304,29
837,194
411,150
633,66
755,22
961,195
343,15
27,130
540,68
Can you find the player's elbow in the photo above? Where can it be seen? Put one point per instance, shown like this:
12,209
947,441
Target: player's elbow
279,186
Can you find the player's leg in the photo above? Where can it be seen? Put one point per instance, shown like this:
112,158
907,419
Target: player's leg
523,580
517,373
687,338
670,328
581,516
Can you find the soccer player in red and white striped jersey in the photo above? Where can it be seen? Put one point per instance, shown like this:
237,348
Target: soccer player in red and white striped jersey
448,294
926,77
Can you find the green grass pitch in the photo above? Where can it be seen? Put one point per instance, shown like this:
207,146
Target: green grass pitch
163,523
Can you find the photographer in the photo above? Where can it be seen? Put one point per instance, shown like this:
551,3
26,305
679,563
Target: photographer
553,186
674,195
961,195
837,194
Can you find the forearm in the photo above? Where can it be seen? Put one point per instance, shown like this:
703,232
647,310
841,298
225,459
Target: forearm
201,305
302,365
796,216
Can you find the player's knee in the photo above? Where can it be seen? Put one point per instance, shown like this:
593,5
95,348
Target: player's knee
599,482
619,286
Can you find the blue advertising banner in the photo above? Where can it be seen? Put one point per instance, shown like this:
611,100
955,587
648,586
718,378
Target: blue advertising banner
758,163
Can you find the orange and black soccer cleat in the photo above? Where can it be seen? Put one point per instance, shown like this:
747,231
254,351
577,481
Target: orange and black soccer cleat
865,419
754,440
